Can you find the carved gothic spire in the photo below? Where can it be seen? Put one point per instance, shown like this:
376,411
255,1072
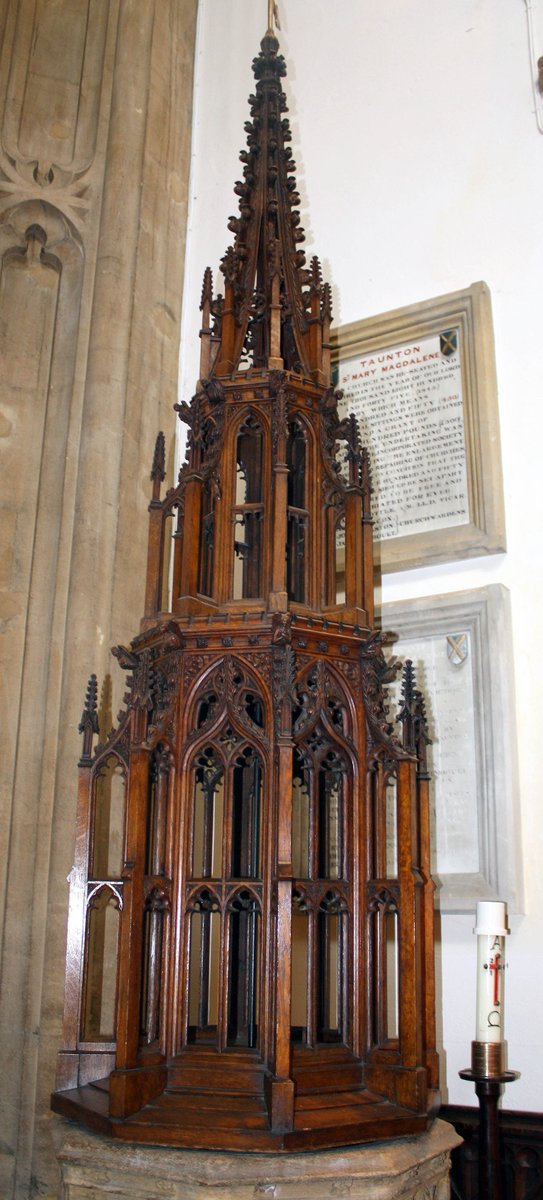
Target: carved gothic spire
275,311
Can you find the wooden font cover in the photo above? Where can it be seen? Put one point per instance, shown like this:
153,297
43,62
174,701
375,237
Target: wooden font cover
250,941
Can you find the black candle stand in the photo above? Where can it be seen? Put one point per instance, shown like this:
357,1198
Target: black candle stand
489,1088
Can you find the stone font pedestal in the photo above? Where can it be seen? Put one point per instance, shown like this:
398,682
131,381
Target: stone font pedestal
417,1168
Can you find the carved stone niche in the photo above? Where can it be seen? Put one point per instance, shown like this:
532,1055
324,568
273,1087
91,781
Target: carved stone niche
54,89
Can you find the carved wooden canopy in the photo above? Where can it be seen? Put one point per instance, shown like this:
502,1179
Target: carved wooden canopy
250,945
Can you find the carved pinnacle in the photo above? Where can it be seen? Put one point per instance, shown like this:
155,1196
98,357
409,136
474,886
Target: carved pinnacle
316,274
422,737
207,288
88,724
158,469
326,303
406,713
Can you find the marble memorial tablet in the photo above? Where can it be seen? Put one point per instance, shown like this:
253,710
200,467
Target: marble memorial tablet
460,646
409,405
422,383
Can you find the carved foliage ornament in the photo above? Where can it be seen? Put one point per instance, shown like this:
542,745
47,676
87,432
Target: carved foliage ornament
376,673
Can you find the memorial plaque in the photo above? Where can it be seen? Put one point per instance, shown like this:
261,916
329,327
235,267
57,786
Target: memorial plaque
408,401
421,381
452,756
460,646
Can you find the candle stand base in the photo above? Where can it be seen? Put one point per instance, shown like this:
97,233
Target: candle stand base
489,1085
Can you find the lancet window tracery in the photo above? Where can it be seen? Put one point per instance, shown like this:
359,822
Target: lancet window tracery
228,774
322,809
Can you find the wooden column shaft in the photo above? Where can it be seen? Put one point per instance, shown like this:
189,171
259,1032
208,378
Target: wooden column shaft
189,560
130,936
353,549
155,559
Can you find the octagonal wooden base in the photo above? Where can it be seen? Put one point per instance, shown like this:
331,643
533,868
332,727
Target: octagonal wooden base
237,1107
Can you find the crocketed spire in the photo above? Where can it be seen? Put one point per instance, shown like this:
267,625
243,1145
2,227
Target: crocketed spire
275,312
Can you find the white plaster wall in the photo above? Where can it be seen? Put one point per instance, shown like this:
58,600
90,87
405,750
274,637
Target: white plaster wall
420,168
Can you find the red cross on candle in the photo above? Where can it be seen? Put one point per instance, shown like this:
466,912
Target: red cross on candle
495,967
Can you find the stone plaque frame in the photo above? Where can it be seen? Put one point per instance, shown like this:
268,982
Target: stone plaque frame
484,614
470,312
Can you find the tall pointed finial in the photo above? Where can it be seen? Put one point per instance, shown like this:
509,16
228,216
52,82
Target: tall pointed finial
273,16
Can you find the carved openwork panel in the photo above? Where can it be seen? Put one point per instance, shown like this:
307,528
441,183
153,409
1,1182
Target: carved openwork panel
227,781
230,689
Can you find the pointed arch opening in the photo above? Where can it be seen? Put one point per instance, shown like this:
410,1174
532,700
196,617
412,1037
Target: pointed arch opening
247,779
322,777
156,906
208,815
204,968
100,972
330,973
243,970
248,511
330,820
108,805
322,802
384,948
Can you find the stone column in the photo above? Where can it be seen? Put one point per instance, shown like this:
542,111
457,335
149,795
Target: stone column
95,117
